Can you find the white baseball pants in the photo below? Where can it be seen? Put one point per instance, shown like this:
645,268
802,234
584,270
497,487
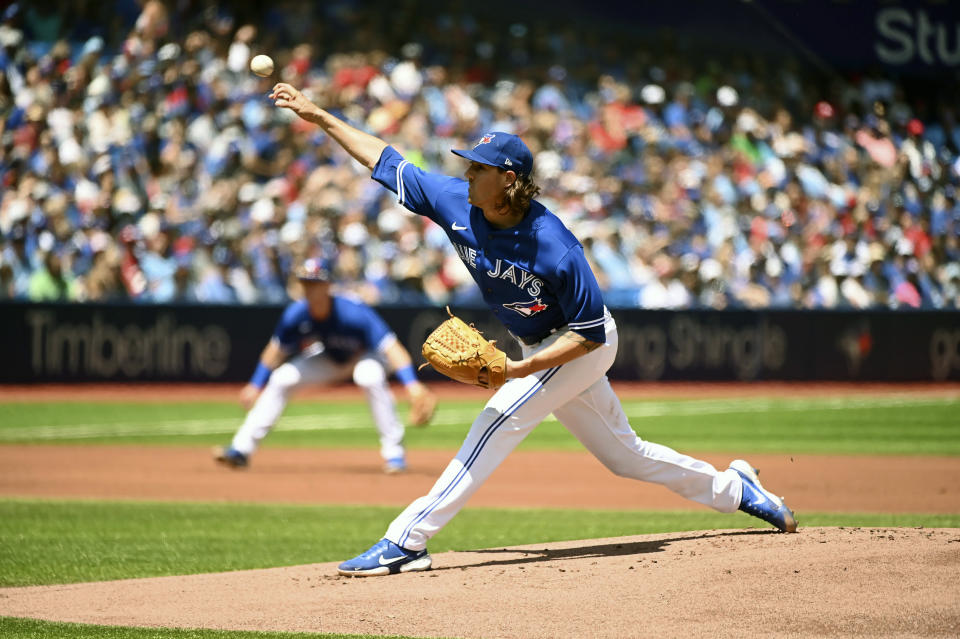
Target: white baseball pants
318,368
594,416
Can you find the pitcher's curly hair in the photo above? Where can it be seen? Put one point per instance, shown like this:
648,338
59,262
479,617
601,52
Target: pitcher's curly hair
517,196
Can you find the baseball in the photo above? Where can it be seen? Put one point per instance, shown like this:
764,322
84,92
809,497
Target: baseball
262,65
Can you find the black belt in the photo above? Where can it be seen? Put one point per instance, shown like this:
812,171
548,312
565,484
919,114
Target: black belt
530,340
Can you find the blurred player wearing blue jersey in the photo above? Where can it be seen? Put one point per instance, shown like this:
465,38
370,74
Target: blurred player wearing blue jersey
324,339
534,276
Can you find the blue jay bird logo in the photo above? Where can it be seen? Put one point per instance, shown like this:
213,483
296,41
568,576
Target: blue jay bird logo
486,139
527,309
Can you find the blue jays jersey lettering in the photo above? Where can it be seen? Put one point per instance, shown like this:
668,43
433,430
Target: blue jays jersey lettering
533,276
351,328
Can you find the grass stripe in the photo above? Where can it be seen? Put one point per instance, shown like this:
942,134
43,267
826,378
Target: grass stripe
339,420
303,423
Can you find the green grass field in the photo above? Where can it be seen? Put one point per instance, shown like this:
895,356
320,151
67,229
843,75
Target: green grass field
896,424
59,541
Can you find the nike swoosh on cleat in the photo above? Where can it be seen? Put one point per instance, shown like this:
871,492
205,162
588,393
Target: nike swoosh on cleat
457,227
387,562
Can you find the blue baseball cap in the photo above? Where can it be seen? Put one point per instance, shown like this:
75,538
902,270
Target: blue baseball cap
502,150
313,270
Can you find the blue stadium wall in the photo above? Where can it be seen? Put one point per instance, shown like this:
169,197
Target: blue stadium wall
89,343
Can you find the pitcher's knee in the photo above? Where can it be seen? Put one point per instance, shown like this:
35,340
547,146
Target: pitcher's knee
369,373
631,466
621,467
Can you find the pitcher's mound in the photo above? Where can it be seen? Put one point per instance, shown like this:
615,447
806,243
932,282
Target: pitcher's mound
719,583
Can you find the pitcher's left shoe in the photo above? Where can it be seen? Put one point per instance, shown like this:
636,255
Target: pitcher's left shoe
385,558
760,502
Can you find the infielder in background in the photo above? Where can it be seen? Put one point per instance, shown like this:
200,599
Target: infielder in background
324,339
534,277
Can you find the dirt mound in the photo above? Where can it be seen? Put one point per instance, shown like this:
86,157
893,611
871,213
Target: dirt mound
823,582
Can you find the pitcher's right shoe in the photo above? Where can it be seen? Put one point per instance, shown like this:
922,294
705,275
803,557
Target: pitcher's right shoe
759,502
385,558
229,456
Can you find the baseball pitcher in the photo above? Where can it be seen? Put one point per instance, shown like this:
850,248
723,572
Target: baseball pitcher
535,279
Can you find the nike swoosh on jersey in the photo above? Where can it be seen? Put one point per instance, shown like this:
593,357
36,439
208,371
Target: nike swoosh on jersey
457,227
387,562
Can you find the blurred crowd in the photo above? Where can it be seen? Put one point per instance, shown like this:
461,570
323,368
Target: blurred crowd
140,160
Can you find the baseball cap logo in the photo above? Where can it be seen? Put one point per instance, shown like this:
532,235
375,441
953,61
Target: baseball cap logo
487,139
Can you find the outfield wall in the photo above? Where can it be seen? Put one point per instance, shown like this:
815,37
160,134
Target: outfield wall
96,342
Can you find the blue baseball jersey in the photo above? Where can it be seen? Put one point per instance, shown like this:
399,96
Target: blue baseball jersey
533,276
351,328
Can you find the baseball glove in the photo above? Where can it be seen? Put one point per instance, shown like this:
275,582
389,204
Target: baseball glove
461,352
423,404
